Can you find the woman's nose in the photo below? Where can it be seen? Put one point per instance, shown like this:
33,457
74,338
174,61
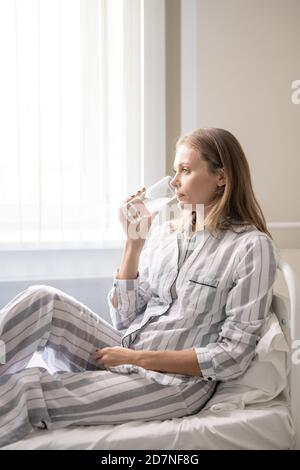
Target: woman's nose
173,182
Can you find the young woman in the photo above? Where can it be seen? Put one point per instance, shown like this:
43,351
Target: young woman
187,306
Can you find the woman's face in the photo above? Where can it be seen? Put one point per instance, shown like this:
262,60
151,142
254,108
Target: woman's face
193,182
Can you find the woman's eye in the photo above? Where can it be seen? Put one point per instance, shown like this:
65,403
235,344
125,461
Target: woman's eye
184,170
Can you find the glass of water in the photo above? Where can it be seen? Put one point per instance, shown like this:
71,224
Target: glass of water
154,198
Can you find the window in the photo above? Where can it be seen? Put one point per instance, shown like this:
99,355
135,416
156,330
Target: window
71,93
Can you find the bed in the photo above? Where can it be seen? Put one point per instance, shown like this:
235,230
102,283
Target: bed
257,411
236,429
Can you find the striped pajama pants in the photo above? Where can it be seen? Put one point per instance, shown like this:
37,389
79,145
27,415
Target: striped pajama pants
74,391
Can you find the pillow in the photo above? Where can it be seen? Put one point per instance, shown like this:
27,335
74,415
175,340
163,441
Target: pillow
265,378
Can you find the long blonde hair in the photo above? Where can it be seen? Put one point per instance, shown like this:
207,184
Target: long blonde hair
235,202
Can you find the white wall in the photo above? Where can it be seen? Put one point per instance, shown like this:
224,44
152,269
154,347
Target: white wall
85,274
92,292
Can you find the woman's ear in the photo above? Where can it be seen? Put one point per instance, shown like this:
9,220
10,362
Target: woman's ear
222,178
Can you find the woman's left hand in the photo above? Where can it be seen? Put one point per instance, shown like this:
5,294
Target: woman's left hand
109,357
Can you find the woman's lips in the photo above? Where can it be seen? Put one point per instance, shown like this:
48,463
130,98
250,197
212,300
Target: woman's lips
179,195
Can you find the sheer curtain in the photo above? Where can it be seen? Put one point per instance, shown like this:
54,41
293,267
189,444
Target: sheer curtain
70,116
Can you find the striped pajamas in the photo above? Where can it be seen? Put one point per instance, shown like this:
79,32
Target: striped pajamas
213,298
76,392
224,293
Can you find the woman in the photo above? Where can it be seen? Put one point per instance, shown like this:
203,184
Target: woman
187,308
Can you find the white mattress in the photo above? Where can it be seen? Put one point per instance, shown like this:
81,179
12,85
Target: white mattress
250,428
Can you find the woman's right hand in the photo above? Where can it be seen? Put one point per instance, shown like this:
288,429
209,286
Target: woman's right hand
135,219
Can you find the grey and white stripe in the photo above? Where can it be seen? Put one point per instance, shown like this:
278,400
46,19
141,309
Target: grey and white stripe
215,300
74,391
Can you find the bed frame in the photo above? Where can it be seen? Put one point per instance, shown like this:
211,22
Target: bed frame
288,314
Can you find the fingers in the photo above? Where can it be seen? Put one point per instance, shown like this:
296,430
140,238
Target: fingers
132,196
96,354
153,215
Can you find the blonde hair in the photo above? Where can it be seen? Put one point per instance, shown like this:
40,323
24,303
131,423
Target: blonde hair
234,203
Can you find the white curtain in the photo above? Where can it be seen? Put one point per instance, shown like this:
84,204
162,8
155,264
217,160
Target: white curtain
70,117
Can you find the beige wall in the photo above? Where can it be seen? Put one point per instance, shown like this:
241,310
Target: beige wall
248,56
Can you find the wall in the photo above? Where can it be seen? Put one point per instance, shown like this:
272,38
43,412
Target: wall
92,292
86,274
173,82
248,57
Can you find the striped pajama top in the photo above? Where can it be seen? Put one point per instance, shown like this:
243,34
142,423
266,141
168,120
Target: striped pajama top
209,294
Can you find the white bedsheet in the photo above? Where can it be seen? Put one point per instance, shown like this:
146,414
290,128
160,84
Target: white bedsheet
249,428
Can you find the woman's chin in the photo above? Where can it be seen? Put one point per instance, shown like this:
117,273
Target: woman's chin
181,204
